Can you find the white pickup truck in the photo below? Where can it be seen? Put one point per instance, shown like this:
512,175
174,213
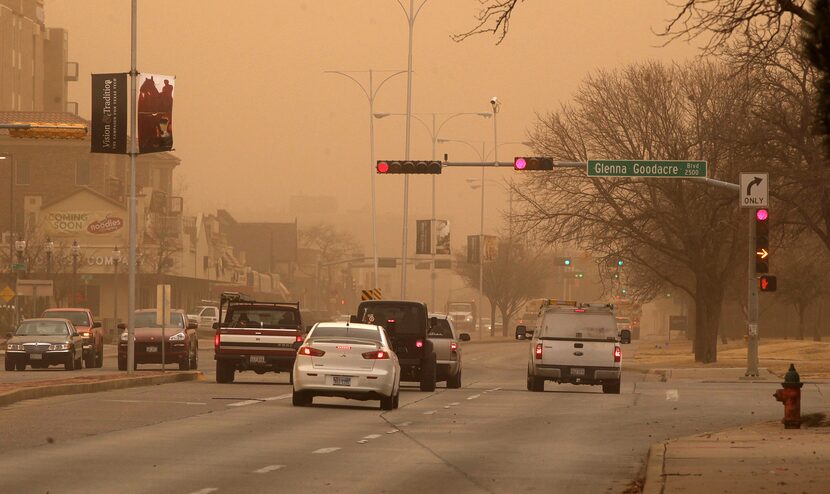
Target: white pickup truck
577,344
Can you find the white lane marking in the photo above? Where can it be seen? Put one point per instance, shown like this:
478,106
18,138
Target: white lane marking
362,441
473,397
280,397
392,431
324,451
371,436
672,395
269,468
147,401
454,404
404,424
494,389
206,490
430,412
244,403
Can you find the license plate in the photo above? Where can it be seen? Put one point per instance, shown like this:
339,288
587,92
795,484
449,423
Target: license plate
151,349
577,371
342,380
257,359
35,356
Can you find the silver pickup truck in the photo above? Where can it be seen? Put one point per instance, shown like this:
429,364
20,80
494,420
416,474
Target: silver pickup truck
446,341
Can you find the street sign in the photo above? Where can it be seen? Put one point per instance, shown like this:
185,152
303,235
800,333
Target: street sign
7,294
371,294
163,305
754,191
18,266
647,168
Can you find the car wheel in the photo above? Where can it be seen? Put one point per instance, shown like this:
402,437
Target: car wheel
397,400
224,372
387,402
454,382
122,364
89,360
70,362
185,364
194,362
291,377
9,365
21,366
428,369
611,388
535,384
301,398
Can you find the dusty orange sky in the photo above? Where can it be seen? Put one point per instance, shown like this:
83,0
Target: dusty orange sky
258,121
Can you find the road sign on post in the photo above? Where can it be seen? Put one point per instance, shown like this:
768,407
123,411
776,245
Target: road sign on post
647,168
754,190
163,316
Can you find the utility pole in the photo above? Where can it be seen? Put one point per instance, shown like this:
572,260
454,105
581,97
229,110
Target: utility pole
752,303
132,206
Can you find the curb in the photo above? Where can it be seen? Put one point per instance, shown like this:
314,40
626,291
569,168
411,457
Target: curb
95,387
655,481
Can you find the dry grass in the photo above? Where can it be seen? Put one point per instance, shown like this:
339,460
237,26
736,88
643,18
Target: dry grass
811,358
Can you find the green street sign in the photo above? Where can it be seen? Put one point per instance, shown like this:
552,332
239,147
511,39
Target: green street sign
647,168
18,266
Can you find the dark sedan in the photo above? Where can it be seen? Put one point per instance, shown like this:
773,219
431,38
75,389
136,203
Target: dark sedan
44,342
181,343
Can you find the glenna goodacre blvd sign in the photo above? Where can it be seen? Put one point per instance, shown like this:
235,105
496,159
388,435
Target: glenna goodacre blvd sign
647,168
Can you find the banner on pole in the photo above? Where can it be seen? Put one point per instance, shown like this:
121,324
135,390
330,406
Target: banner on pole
423,238
109,113
155,113
442,237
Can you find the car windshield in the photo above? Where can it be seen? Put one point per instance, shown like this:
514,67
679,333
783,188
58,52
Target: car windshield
78,318
578,325
401,319
440,330
42,328
347,332
260,317
148,320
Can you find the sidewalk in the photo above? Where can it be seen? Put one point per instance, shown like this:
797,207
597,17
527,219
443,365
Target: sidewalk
762,457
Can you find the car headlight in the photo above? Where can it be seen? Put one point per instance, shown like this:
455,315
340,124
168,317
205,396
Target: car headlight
177,337
469,318
86,335
14,346
58,346
124,336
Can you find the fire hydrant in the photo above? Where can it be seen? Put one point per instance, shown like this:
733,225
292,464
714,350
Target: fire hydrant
790,396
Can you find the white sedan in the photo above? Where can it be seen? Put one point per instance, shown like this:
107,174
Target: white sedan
346,360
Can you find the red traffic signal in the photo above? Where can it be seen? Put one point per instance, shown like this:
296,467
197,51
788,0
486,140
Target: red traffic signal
767,283
522,163
387,167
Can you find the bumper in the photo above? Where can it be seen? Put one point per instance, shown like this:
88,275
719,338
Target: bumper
448,368
58,357
282,363
365,385
173,353
565,374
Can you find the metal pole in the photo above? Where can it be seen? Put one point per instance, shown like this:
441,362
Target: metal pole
481,258
432,244
410,17
372,172
163,319
115,297
11,239
752,304
132,206
74,280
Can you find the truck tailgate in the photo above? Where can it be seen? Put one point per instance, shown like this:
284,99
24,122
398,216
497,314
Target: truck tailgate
257,341
442,348
579,353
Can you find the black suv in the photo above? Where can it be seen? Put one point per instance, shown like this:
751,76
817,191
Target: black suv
406,324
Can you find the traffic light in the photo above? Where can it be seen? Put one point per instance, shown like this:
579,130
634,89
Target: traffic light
767,283
387,167
579,275
762,241
566,261
523,163
620,263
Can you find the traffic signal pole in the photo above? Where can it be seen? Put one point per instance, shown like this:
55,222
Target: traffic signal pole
752,303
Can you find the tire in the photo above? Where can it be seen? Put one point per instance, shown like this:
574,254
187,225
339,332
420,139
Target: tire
428,370
194,362
301,398
387,403
224,372
9,365
535,384
79,362
185,364
21,366
122,364
90,360
454,382
70,362
612,388
100,361
397,400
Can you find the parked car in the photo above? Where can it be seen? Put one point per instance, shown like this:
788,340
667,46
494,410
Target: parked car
204,315
43,342
353,361
89,328
181,342
446,342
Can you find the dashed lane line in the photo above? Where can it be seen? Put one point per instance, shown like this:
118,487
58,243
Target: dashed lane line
206,490
473,397
269,468
371,436
404,424
155,401
454,403
430,412
362,441
324,451
244,403
280,397
392,431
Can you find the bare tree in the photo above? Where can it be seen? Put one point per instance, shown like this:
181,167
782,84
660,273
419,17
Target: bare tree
332,245
162,242
494,17
805,272
817,45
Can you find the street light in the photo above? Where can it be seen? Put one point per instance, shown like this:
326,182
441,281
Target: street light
433,133
75,250
20,248
49,247
116,258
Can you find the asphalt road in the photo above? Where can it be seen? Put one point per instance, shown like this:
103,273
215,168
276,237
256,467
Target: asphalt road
490,436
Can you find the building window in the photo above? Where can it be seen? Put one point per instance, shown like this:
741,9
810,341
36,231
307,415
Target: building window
22,173
82,173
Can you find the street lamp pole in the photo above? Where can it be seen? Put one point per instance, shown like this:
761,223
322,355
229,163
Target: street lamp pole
49,247
75,251
116,258
20,248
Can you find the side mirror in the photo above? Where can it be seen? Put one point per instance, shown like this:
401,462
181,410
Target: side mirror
464,336
215,325
192,325
433,321
353,319
121,325
96,324
625,336
521,332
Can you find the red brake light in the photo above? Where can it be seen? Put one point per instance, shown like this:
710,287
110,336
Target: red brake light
390,320
453,346
344,347
376,355
216,341
419,344
300,338
538,351
579,310
617,354
311,352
